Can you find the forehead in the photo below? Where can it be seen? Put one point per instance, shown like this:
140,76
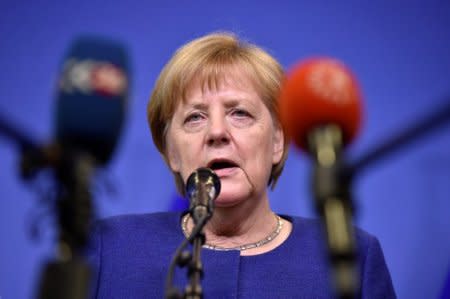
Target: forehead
232,86
236,78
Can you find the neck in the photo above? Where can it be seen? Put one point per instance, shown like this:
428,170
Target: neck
244,223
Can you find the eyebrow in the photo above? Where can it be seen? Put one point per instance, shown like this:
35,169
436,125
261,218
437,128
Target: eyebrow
229,102
198,105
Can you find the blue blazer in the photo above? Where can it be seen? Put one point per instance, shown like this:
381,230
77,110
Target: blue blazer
132,253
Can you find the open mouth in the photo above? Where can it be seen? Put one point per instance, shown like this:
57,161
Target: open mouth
219,165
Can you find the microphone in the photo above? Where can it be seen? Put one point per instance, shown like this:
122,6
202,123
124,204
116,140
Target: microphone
91,100
202,188
320,107
92,97
90,109
319,92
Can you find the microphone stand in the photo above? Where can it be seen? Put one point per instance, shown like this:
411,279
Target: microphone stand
195,271
427,124
332,180
334,205
69,274
202,187
184,258
201,210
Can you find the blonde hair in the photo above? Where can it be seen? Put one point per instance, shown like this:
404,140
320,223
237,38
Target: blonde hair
207,59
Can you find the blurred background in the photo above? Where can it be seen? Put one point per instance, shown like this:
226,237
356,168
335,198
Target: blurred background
399,51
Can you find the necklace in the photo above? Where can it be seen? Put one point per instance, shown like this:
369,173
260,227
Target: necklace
259,243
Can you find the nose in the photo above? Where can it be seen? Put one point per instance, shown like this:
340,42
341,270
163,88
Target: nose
218,133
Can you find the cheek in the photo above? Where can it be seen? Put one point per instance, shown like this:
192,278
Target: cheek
174,153
173,157
183,154
258,148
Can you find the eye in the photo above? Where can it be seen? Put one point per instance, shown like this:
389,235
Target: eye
240,113
193,117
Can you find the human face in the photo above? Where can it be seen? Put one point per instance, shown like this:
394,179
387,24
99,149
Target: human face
230,130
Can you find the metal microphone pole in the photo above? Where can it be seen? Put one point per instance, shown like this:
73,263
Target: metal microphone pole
184,258
68,276
202,187
332,180
334,205
195,268
427,124
200,213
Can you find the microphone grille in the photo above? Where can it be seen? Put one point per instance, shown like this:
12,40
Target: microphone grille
203,176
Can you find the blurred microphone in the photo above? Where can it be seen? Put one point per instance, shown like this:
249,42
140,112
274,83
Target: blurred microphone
202,188
320,92
92,97
90,109
320,107
90,105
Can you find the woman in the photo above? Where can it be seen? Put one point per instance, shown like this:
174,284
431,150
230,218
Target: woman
214,105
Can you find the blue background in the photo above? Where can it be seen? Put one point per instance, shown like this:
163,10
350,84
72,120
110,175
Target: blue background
399,50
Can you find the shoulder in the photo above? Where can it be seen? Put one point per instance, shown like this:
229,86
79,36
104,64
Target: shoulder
375,277
133,227
312,229
135,221
132,251
120,236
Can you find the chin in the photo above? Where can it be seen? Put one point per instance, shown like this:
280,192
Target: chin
229,198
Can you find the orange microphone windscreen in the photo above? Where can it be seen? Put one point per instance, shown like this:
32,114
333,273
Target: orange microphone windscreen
317,92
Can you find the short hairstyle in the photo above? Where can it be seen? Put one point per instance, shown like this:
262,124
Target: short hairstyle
207,59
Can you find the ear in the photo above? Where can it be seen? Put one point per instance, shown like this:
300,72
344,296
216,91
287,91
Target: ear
278,144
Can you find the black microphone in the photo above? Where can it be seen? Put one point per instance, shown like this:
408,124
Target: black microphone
202,188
